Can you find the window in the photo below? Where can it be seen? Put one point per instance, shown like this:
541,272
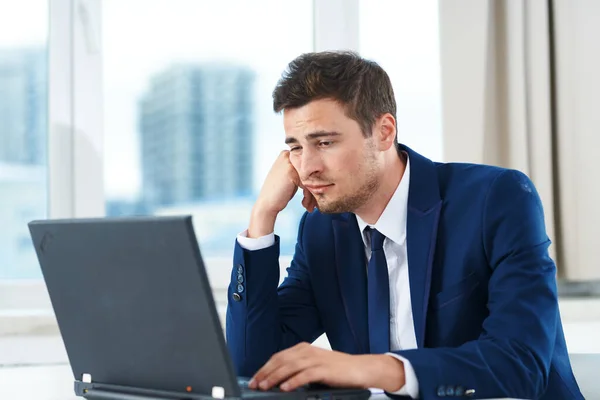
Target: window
23,132
188,124
402,36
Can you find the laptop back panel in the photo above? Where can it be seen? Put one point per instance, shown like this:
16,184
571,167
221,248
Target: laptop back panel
134,304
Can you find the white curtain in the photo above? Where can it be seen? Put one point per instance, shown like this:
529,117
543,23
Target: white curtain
498,81
577,61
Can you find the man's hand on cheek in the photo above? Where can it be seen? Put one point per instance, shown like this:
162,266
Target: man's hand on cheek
308,202
304,364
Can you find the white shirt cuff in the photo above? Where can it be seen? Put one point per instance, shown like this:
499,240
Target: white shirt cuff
255,243
411,384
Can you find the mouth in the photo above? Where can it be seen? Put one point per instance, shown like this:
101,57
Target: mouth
318,189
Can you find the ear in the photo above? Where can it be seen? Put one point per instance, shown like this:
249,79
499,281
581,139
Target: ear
384,131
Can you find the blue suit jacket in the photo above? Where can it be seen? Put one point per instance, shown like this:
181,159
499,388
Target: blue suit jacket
482,284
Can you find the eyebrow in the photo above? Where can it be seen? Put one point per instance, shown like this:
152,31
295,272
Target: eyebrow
313,135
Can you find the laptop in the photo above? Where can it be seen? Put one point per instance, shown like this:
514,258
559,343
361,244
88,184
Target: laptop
136,313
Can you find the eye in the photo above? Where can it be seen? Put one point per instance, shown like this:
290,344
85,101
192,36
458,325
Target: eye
294,148
325,143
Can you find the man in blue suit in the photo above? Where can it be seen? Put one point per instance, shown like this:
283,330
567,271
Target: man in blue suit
429,279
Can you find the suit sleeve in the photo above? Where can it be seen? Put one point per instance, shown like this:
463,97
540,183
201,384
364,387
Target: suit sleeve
511,358
268,318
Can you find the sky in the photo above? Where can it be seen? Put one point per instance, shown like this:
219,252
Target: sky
23,22
143,37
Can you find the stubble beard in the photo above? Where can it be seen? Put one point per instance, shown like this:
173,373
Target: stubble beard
359,197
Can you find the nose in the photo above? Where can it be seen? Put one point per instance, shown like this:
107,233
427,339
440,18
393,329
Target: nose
311,163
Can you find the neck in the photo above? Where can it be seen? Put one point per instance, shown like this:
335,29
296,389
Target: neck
392,172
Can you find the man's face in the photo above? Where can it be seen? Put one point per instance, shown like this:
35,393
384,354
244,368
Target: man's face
334,160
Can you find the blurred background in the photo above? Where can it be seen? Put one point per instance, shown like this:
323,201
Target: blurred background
137,107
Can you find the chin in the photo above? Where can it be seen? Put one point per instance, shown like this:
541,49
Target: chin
323,208
330,209
326,211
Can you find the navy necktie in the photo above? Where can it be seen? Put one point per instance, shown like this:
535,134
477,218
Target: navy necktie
378,296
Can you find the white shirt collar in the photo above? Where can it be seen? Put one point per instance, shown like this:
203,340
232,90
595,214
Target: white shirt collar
392,222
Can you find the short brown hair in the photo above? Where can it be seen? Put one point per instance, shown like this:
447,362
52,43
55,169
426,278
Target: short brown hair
361,86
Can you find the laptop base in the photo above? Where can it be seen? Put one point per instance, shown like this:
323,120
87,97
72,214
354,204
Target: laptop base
101,391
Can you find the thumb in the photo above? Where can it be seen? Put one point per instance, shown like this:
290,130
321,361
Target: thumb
309,202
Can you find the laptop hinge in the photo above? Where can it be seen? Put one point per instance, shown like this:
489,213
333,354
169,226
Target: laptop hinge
91,391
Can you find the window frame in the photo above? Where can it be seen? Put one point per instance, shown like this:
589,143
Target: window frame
76,136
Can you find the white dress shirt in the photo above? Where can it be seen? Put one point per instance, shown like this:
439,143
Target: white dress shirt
392,224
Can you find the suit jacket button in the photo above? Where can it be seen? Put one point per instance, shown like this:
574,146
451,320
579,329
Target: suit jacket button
237,297
459,391
240,269
469,392
441,391
240,278
240,288
450,391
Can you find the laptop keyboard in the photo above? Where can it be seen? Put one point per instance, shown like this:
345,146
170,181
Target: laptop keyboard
243,383
249,393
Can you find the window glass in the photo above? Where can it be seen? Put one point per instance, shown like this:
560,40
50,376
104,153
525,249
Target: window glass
189,126
23,132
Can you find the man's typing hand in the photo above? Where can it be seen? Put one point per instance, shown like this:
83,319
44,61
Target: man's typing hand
303,364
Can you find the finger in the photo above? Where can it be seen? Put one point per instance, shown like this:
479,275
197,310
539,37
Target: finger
313,203
306,201
274,363
293,173
309,201
305,205
287,370
296,179
313,374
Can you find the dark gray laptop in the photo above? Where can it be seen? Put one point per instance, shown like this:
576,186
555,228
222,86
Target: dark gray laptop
136,312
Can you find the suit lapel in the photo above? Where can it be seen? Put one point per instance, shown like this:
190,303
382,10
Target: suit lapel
424,206
351,268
